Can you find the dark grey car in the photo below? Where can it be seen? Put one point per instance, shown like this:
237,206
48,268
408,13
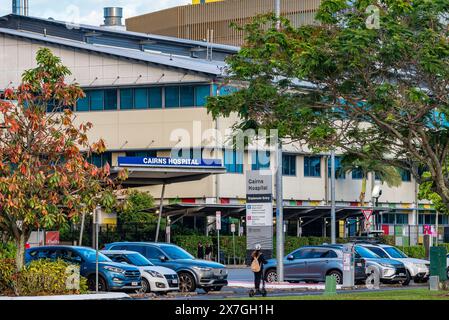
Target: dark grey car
313,264
193,273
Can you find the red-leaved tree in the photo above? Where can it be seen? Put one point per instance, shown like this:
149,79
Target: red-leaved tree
45,179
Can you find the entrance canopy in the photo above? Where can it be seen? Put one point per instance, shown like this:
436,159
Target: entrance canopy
147,171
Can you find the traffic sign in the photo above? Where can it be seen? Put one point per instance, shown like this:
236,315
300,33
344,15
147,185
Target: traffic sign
233,228
218,220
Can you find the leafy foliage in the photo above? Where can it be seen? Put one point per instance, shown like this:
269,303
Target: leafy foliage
45,179
343,85
132,210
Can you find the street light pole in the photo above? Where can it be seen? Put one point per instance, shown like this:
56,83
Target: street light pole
96,212
333,219
279,216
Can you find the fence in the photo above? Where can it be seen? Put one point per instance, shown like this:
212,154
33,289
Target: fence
412,235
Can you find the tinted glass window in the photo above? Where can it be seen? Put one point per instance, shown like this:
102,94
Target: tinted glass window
289,165
155,97
83,104
141,98
201,94
153,253
365,253
171,97
233,161
379,252
312,166
330,254
302,254
96,100
260,160
187,96
395,253
126,99
176,253
135,248
110,99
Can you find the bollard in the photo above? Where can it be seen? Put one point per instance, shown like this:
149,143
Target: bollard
331,286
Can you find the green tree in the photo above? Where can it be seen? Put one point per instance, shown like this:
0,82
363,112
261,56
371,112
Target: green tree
387,174
343,84
134,206
45,179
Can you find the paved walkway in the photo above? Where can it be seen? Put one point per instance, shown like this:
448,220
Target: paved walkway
279,286
100,296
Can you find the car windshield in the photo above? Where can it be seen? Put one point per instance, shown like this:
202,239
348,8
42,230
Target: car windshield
89,255
176,253
379,252
139,260
365,253
395,253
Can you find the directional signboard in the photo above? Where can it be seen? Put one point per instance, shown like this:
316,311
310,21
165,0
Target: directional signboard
259,211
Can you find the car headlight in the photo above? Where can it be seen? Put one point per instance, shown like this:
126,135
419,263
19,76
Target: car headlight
154,274
387,265
202,269
421,266
114,269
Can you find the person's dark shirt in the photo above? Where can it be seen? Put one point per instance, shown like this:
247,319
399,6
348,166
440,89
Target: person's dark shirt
208,249
200,251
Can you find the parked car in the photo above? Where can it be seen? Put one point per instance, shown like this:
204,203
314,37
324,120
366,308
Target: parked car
313,264
193,273
390,271
154,278
112,276
417,269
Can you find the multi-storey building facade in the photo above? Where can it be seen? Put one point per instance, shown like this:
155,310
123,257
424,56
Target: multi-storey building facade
146,94
213,19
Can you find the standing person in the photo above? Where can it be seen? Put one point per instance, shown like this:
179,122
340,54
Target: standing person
208,252
200,251
258,260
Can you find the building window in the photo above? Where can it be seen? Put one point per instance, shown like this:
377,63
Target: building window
187,94
377,176
126,99
357,174
83,103
405,175
141,98
201,94
312,166
388,218
96,100
172,97
338,173
110,99
142,153
289,165
233,161
101,159
260,160
155,99
401,218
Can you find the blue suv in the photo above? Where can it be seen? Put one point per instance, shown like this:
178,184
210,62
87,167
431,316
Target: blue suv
112,276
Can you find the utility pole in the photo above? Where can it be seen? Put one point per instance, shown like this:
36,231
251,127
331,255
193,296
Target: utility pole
279,193
333,219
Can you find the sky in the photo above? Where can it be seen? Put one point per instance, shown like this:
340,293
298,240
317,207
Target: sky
89,11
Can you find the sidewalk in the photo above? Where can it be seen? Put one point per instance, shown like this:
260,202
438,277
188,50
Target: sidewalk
280,286
100,296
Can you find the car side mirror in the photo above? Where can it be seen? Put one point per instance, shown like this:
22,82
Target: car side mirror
290,257
163,258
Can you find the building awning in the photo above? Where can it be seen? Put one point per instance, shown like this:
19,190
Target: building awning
150,171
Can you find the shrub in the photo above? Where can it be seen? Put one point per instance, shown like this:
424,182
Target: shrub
7,250
40,277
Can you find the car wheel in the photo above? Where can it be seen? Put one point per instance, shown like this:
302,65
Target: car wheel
186,282
337,275
271,276
102,285
145,286
406,282
447,273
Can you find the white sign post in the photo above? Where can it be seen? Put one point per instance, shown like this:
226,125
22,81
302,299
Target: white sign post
218,227
233,240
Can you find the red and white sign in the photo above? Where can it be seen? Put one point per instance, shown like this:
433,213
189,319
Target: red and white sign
52,237
218,220
368,214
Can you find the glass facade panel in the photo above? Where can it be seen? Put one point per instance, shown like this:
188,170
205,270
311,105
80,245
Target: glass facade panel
260,160
96,100
201,94
110,99
126,99
141,98
233,161
312,167
187,96
289,165
172,97
155,99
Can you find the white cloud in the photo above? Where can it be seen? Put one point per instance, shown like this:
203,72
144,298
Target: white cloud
90,11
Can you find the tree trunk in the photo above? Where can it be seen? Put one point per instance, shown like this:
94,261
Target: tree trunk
20,253
363,192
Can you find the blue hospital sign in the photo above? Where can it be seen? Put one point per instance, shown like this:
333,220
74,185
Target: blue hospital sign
168,162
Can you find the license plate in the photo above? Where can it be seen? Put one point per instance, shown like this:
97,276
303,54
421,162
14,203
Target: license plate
402,274
359,264
174,281
134,284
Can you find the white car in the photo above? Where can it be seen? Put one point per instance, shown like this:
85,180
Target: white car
154,279
417,269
